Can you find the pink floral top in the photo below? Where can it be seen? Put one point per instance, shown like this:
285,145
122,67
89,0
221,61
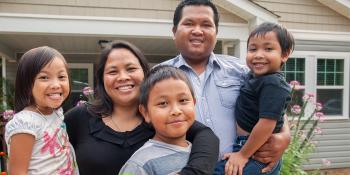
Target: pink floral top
52,153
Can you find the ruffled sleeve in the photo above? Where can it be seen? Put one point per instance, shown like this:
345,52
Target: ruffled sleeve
23,122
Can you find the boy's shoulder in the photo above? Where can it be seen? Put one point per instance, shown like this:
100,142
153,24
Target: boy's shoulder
275,79
152,150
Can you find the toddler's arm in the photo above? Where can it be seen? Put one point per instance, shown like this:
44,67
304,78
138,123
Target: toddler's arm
259,135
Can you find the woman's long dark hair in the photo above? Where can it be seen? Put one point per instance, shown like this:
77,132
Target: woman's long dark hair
103,104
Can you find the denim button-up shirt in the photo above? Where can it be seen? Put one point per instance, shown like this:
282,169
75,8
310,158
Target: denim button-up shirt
216,95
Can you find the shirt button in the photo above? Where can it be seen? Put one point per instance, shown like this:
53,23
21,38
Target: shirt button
208,120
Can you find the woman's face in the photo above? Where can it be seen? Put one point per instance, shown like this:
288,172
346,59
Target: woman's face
122,77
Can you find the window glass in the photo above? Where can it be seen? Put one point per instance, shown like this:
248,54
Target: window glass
294,69
332,100
79,80
330,72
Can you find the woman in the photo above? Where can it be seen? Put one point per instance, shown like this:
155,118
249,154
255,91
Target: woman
106,133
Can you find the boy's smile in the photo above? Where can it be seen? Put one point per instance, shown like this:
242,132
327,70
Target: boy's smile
265,54
170,110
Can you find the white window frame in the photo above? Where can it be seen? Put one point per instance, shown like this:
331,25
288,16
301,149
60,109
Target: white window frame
311,75
3,69
88,66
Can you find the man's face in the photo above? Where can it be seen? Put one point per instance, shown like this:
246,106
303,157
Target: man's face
195,35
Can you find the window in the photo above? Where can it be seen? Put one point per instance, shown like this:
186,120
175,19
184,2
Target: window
324,74
81,75
294,69
330,85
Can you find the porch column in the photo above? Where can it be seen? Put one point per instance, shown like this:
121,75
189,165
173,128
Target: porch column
240,50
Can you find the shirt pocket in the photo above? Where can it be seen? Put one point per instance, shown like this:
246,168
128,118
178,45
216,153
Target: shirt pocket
228,91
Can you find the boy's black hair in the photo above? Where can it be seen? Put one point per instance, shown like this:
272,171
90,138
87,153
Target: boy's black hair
160,73
29,66
103,104
184,3
285,38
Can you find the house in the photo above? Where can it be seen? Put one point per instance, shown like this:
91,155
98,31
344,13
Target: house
79,28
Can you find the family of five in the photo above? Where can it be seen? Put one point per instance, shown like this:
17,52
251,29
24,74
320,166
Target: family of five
198,113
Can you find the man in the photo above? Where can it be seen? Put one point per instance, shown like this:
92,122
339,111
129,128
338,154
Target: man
216,78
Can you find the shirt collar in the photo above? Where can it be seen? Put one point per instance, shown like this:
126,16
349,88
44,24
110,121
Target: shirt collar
99,130
182,62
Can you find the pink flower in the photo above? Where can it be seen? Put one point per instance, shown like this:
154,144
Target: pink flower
326,162
296,109
88,91
318,130
308,97
8,114
295,84
319,106
81,102
320,116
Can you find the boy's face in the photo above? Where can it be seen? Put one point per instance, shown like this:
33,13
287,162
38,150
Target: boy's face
265,54
171,111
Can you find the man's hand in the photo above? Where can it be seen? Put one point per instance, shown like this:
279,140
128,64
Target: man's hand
272,150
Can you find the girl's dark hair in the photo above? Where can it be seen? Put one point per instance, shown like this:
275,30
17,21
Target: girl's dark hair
157,74
103,104
178,11
285,38
29,66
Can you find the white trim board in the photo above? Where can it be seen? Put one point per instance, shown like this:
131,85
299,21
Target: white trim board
103,26
320,35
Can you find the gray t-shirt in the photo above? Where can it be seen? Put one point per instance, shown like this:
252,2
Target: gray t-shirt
157,158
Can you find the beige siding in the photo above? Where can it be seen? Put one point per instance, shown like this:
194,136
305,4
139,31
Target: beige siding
306,15
332,145
153,9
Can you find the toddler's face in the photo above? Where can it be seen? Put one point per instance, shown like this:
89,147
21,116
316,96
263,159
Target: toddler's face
51,86
265,54
171,110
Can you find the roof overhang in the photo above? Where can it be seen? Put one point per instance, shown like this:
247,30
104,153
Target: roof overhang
340,6
249,11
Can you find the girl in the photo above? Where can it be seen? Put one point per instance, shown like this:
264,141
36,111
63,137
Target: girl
36,137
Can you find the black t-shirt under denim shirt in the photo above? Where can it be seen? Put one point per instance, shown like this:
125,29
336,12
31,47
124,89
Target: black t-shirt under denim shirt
266,96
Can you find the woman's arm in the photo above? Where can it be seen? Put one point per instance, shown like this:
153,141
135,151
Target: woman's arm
20,153
205,150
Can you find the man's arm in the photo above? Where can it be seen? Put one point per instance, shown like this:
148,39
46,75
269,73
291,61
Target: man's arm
204,153
273,149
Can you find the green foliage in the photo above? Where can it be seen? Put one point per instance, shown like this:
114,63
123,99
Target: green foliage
7,94
303,126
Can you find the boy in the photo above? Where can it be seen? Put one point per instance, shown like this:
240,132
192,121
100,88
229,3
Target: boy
263,98
167,103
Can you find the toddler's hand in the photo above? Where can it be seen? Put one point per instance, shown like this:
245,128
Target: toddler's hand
235,163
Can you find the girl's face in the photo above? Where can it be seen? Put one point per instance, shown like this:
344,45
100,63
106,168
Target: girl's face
51,86
122,77
171,110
